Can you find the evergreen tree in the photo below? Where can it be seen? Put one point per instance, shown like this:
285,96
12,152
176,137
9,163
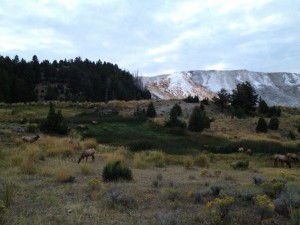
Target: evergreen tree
274,111
54,122
151,110
174,121
262,125
222,99
263,108
198,120
274,123
299,128
244,97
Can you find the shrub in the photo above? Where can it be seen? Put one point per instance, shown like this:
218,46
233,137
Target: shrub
87,169
188,162
295,217
63,175
201,160
248,192
299,128
265,205
170,193
274,123
191,99
118,200
262,125
273,188
219,207
291,135
240,165
115,170
94,184
31,128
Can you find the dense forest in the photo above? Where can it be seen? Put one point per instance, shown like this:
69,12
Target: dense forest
69,80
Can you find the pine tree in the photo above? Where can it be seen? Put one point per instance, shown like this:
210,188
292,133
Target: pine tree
54,122
222,99
263,108
151,110
244,97
274,123
198,120
262,125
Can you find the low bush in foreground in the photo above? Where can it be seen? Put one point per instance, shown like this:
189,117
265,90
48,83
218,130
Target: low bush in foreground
116,170
240,165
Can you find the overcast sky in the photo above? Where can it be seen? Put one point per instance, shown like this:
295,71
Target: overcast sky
156,36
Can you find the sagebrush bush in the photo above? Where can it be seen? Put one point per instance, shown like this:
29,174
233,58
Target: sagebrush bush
188,162
201,160
295,217
116,170
219,207
64,175
170,193
94,184
266,206
240,165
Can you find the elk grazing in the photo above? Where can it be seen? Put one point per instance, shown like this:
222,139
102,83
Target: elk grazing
249,151
86,153
30,139
282,159
241,149
292,156
75,143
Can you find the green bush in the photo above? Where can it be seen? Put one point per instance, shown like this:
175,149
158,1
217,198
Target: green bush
262,125
295,217
240,165
115,170
274,123
198,120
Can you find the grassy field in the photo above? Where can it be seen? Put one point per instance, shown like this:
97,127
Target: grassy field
178,177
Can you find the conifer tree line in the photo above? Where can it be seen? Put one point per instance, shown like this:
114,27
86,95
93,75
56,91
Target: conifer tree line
75,79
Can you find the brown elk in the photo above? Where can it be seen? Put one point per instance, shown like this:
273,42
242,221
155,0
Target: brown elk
282,159
249,151
292,156
240,149
30,139
86,153
75,143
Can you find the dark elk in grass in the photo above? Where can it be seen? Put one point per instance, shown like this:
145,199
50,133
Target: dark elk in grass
86,153
292,156
30,139
282,159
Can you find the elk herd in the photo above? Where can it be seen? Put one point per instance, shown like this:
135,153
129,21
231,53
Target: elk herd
90,152
278,158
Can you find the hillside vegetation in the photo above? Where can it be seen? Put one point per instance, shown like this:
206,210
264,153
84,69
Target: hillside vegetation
178,176
69,80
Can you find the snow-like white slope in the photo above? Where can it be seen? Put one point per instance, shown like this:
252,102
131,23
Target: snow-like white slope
275,88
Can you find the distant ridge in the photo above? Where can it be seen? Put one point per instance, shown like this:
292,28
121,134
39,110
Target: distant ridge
276,88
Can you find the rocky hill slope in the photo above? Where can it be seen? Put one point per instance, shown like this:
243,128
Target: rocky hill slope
275,88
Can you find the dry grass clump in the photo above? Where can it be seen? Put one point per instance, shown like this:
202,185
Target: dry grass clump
87,169
90,143
54,146
201,160
28,166
146,159
188,162
63,175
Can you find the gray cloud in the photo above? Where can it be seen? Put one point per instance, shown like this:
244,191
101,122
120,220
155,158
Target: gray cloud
155,37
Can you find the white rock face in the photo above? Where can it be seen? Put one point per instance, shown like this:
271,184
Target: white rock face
275,88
